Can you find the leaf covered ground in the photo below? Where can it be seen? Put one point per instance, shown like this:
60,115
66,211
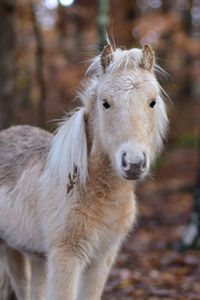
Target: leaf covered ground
149,266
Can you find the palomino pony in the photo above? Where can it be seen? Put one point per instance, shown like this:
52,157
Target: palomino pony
67,201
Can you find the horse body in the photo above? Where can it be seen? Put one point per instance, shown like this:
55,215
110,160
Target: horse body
22,157
65,199
89,224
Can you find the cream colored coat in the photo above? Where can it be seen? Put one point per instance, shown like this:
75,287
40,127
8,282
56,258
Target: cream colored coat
65,206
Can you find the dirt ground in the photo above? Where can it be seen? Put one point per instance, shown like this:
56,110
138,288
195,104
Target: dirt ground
149,266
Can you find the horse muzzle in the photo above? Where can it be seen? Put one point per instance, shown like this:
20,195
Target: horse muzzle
133,169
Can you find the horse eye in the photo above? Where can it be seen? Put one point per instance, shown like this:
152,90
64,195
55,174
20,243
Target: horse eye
152,103
106,104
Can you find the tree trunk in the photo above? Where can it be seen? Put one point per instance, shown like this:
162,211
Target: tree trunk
7,66
191,235
39,66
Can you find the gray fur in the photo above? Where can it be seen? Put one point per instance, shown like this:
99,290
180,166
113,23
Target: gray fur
19,146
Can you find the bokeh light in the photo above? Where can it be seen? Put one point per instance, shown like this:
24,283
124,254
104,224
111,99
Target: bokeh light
52,4
66,2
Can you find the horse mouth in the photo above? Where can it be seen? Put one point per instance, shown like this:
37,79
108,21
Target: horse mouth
133,176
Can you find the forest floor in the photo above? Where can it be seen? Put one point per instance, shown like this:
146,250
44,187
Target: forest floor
149,266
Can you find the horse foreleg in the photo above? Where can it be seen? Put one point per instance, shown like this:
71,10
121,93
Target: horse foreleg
18,270
38,277
63,273
94,277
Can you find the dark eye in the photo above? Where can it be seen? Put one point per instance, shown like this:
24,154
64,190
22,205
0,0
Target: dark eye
152,103
106,104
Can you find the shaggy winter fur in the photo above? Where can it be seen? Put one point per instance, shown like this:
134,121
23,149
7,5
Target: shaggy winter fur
65,203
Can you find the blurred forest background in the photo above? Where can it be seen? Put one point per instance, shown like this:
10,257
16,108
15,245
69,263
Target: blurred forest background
44,50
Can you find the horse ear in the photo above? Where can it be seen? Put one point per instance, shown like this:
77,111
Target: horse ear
106,57
148,58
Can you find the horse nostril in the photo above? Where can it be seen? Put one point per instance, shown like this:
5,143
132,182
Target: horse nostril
124,163
144,163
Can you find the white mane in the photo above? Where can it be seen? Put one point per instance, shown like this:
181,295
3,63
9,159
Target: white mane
69,149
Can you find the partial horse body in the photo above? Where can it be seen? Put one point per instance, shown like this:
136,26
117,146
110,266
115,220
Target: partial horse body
67,201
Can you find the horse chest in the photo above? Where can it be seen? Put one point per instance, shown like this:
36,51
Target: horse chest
109,221
121,216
